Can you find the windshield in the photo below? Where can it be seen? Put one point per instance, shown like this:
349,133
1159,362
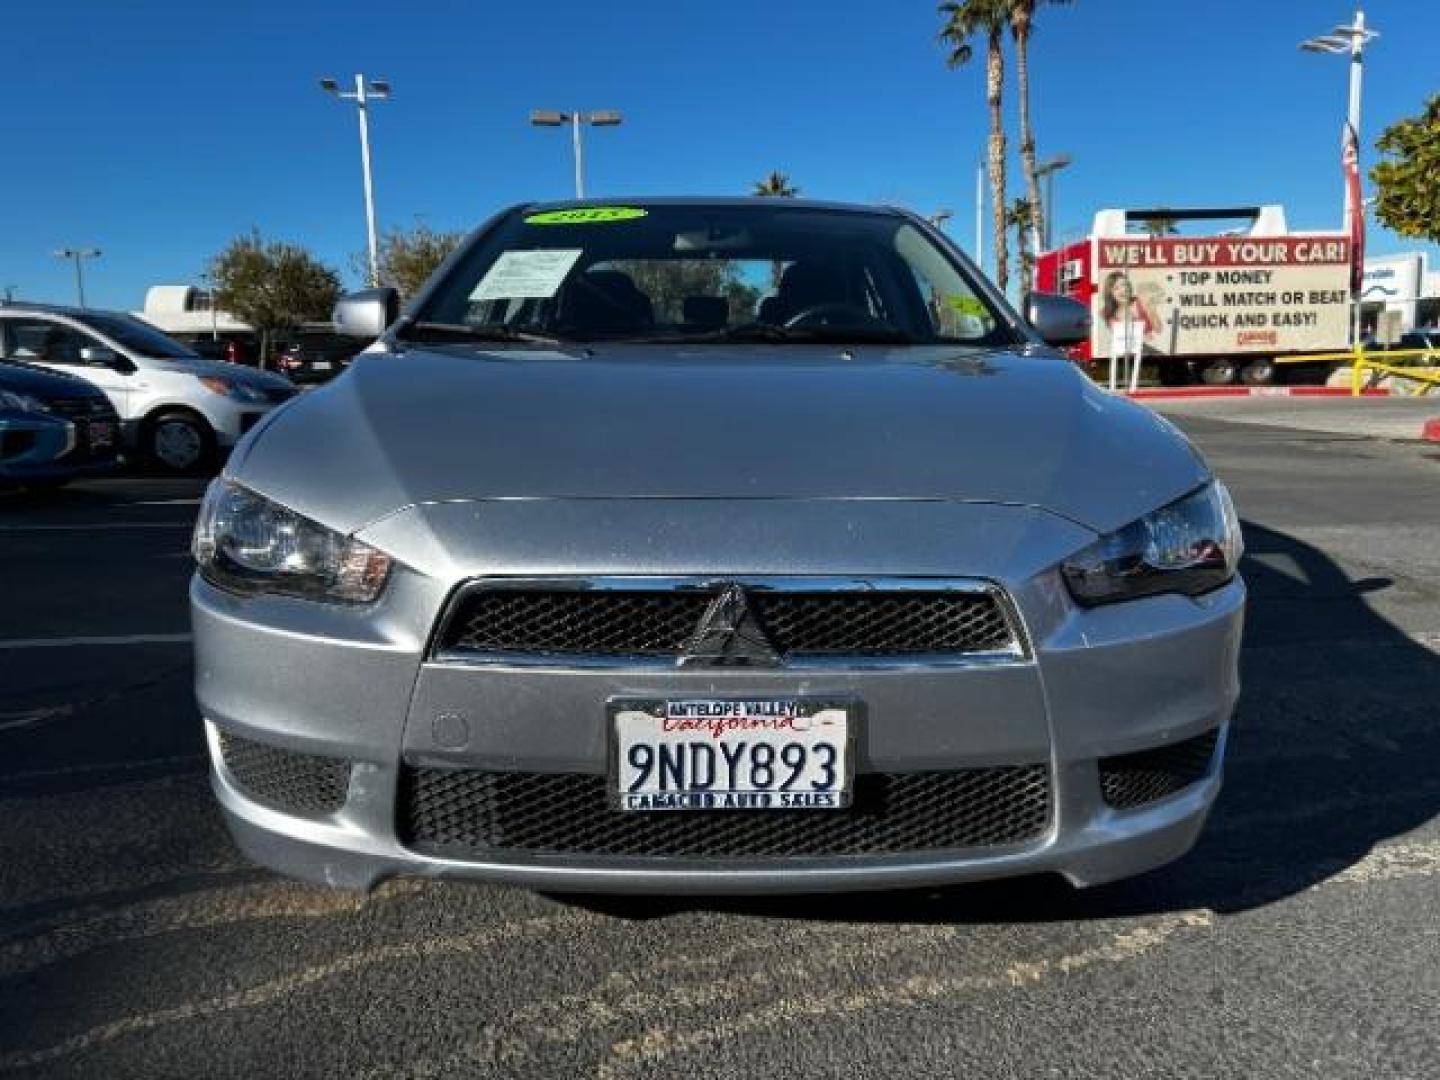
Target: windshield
137,337
697,273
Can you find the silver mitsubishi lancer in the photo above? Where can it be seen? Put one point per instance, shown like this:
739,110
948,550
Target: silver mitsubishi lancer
714,546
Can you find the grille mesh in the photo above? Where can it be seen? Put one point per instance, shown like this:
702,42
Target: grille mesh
455,811
294,783
576,622
1132,780
881,624
657,624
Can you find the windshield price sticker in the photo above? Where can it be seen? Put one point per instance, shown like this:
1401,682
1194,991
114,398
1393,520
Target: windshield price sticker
732,755
586,215
520,275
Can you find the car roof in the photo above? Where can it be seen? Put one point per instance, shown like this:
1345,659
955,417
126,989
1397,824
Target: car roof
715,200
26,307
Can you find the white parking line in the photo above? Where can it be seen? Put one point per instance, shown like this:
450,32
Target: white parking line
71,642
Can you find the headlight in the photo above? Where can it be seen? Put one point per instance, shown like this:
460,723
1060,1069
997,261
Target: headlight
248,544
1191,546
13,399
237,391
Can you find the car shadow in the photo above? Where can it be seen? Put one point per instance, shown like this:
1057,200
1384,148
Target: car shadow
1333,751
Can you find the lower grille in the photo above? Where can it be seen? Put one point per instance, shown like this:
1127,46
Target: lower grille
1132,780
290,782
455,812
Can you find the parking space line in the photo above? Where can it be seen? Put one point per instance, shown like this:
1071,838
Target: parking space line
545,928
92,641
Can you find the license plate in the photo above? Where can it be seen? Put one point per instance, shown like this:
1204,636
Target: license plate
101,434
322,365
729,754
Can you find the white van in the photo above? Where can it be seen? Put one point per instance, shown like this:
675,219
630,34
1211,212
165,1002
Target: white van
175,407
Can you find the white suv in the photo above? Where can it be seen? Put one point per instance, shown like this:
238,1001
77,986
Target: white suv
175,407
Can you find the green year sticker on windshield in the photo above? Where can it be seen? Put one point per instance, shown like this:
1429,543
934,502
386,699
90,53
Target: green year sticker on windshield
586,215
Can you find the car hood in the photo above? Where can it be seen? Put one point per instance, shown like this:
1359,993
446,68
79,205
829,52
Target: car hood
44,383
198,365
716,423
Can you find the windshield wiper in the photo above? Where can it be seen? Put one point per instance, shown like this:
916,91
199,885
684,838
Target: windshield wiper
438,331
802,335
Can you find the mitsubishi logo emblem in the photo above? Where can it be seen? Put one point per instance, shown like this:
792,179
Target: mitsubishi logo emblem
729,635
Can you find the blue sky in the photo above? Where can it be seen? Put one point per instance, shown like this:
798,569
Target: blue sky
159,130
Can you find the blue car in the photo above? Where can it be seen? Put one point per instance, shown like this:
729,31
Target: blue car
53,428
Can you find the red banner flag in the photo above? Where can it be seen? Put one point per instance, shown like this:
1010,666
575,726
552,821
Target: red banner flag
1350,161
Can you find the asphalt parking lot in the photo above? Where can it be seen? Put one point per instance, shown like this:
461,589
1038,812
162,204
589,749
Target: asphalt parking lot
1302,938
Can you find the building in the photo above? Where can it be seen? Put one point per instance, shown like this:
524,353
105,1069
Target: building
1403,283
189,314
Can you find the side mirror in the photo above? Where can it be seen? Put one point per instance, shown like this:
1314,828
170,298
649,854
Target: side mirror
1058,320
102,356
367,313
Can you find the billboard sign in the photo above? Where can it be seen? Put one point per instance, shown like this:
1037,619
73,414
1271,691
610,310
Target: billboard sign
1207,295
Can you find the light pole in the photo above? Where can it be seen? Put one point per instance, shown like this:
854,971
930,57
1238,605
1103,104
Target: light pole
362,95
1046,171
1351,40
78,255
980,217
603,118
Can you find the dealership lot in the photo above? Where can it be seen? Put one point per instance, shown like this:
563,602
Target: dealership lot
1301,937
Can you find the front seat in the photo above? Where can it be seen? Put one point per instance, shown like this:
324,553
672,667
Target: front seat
604,303
803,285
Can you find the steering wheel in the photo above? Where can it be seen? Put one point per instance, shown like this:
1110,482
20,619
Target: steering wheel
833,314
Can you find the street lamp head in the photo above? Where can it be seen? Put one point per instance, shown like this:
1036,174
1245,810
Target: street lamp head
1059,161
329,85
605,118
380,88
542,118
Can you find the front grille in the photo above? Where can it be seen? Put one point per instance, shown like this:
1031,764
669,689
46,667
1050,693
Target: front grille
290,782
560,622
1131,780
458,812
658,623
883,624
82,408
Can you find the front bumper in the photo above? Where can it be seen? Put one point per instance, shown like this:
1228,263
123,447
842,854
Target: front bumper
1100,683
42,448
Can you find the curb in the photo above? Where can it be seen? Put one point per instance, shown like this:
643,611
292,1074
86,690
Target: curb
1153,392
1431,431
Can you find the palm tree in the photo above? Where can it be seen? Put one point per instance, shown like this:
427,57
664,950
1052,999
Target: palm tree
1022,24
778,184
1021,217
965,20
1160,226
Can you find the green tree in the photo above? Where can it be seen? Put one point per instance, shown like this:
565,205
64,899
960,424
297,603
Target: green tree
1160,226
963,22
409,256
272,286
777,183
1408,179
1022,25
